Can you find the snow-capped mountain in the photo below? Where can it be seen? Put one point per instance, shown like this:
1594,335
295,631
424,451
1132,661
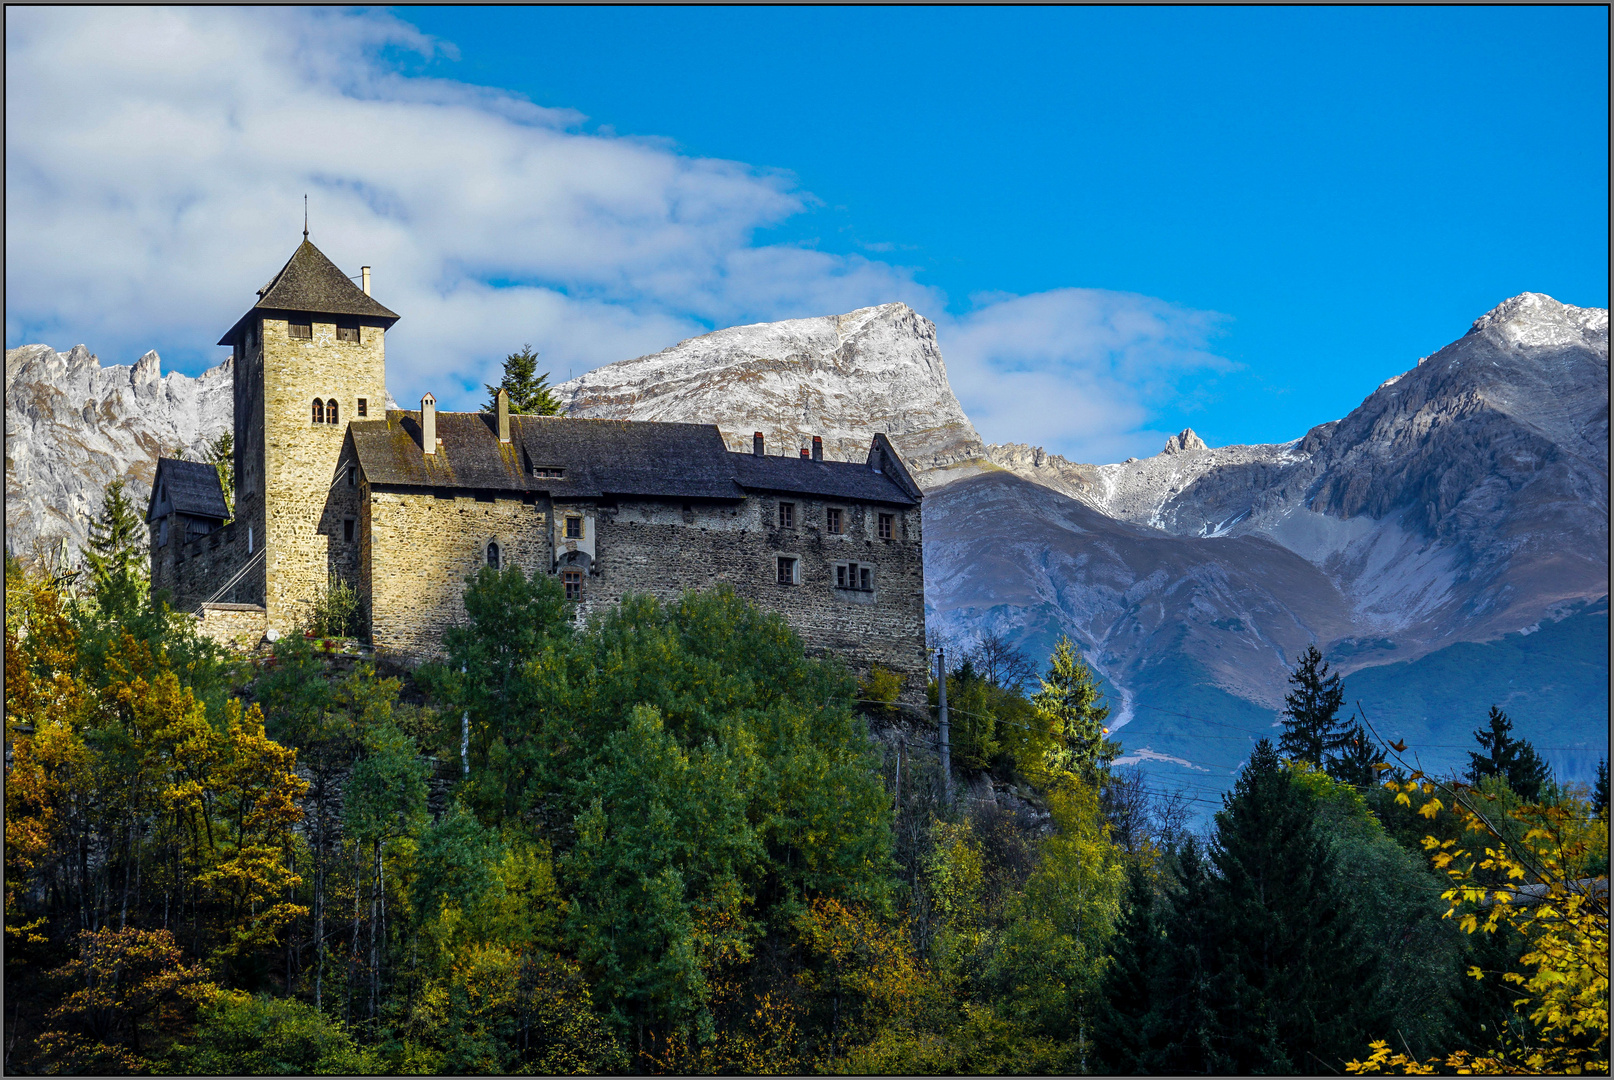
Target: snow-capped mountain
72,426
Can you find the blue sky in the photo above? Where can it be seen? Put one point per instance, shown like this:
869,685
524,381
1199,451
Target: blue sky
1123,221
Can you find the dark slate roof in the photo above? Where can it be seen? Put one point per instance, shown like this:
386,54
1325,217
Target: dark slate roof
310,282
826,479
598,458
192,486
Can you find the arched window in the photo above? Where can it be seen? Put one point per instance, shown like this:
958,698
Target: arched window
319,411
493,554
330,411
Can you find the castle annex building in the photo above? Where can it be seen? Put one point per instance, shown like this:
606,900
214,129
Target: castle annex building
403,505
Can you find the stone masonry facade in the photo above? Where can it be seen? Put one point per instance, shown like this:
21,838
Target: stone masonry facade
406,505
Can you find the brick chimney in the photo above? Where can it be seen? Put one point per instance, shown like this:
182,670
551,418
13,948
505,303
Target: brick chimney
756,443
501,407
804,453
818,448
428,424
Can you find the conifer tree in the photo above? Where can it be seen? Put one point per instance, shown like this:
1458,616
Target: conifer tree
529,391
1123,1030
1600,789
1353,763
1312,730
1514,760
1296,972
1070,704
220,454
116,556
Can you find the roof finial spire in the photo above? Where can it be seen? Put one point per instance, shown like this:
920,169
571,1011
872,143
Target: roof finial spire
305,217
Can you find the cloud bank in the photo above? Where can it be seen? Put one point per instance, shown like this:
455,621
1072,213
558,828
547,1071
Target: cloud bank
156,161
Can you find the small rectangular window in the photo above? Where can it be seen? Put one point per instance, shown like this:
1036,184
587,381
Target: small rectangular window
787,515
347,333
574,528
865,578
301,330
364,406
352,476
787,570
549,472
349,528
886,526
832,520
573,582
840,576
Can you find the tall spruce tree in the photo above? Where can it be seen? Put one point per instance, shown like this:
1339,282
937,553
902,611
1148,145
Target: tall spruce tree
1354,761
1122,1031
1514,760
1184,1030
116,556
1312,730
529,391
1600,789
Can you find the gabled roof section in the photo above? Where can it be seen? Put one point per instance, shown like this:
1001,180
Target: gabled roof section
309,282
824,479
191,486
595,458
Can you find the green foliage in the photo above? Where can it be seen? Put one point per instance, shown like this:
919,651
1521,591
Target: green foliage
1312,731
878,692
260,1035
220,454
1514,760
1069,704
115,556
529,391
335,611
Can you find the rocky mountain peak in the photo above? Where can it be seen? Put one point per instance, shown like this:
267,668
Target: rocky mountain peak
840,377
1184,441
1536,320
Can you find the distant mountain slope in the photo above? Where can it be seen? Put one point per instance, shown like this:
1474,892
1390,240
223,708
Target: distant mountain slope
72,426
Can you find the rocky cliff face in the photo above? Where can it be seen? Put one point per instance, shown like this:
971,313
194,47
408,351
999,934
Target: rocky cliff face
839,377
72,426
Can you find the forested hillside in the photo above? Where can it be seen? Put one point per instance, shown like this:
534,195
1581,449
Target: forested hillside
667,841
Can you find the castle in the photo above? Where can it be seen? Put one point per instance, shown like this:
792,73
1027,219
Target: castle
331,485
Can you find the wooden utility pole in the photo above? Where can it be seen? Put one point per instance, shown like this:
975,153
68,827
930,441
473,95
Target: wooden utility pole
946,749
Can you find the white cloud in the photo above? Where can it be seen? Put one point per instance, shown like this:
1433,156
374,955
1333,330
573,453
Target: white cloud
156,160
1081,372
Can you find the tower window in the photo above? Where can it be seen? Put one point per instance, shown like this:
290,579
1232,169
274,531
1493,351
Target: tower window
347,333
573,581
301,330
493,554
787,515
349,529
352,476
887,526
787,570
832,519
574,528
319,411
364,407
330,411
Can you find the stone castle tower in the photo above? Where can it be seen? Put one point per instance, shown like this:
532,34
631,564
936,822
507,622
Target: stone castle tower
310,356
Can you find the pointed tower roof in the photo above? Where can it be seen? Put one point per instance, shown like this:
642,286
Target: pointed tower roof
309,282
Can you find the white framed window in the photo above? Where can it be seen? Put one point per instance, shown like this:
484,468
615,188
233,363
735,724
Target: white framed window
853,576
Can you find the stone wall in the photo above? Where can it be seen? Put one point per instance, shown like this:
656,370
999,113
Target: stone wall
418,549
305,495
193,572
235,626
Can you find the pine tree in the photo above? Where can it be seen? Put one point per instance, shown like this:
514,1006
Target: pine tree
116,556
529,392
1183,1031
1297,972
1514,760
220,454
1069,703
1353,764
1312,730
1122,1030
1600,789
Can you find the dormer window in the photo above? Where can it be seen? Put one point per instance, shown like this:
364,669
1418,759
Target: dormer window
549,472
300,331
